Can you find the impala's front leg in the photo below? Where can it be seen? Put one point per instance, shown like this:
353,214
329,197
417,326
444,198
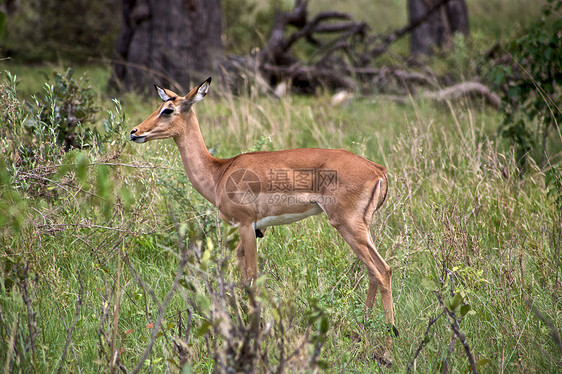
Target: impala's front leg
247,252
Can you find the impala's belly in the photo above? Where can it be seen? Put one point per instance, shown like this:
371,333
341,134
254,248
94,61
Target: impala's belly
286,218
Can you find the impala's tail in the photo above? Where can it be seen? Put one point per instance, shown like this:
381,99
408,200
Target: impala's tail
378,197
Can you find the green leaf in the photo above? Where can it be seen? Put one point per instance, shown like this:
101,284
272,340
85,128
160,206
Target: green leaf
479,364
206,257
324,365
548,54
210,245
202,330
482,362
465,309
500,75
204,302
454,302
429,284
324,325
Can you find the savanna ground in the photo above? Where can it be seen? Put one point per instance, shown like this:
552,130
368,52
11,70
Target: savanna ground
109,249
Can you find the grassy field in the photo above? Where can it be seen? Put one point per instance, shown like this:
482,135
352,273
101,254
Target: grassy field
111,261
97,251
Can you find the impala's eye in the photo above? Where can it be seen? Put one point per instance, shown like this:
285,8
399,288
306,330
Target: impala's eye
166,112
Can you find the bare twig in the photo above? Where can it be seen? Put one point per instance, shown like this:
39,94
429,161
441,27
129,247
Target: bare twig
162,307
425,340
31,316
395,35
71,329
446,359
454,322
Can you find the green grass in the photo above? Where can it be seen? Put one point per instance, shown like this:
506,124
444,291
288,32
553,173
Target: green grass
32,78
455,200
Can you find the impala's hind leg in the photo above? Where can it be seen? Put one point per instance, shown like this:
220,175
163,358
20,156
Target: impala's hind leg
379,272
358,237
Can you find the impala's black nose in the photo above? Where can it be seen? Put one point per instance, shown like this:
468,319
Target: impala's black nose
133,136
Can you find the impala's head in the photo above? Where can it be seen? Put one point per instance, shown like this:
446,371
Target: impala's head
165,122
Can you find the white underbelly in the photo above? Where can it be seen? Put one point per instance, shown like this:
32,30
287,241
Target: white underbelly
284,219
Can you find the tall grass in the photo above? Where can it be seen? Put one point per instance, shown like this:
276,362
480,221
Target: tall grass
81,281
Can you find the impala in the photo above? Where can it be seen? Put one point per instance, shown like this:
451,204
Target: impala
259,189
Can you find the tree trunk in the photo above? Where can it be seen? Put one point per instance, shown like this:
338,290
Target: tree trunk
437,31
169,43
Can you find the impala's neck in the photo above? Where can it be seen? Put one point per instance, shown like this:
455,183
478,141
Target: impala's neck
200,167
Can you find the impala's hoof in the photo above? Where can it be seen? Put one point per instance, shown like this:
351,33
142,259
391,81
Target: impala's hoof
394,330
259,233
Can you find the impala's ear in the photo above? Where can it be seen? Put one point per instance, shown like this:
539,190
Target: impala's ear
196,94
202,91
164,94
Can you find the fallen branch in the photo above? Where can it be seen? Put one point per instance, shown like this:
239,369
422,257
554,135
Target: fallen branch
308,77
277,63
464,89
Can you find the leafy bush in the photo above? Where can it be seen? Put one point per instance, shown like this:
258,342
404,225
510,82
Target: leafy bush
68,108
63,117
531,85
38,136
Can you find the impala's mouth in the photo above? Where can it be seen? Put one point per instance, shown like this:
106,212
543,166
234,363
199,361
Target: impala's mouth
138,139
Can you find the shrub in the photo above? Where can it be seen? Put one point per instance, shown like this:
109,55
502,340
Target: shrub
530,86
68,109
38,136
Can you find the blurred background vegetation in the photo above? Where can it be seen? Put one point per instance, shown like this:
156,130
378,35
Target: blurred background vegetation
40,31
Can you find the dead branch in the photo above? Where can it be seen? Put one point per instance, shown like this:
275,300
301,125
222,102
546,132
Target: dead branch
454,323
303,76
342,57
395,35
277,63
465,89
424,341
